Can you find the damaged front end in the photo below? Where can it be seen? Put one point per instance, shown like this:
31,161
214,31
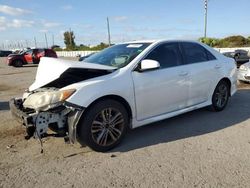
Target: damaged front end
47,108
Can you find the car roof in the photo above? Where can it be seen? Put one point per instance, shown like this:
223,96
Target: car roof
160,41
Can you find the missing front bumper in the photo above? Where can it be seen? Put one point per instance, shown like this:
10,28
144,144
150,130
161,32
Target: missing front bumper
37,123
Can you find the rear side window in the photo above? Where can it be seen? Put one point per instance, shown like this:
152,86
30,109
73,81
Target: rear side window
195,53
167,55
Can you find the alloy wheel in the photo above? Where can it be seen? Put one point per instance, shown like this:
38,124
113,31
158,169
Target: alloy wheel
107,126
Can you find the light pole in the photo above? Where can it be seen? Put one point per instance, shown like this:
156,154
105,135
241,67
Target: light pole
205,29
53,41
35,42
46,40
109,40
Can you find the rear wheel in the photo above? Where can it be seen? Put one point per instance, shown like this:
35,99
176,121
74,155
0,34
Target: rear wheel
103,125
17,63
220,96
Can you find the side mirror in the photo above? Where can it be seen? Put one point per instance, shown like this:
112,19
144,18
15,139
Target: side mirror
148,64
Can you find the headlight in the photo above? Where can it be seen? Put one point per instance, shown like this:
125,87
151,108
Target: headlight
243,67
47,99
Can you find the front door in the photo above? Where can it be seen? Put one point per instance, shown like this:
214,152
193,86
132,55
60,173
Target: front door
163,90
28,56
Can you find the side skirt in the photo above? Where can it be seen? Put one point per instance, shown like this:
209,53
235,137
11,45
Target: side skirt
136,123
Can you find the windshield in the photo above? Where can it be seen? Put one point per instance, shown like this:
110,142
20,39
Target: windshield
119,55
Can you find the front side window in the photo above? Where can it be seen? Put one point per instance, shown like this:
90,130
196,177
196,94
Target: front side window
167,55
29,52
118,55
195,53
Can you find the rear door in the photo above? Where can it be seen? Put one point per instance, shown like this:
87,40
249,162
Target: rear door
162,90
203,68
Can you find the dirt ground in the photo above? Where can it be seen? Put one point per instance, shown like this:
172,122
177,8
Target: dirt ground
197,149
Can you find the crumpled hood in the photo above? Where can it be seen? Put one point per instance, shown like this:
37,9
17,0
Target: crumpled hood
50,69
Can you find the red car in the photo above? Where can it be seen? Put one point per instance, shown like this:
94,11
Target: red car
31,56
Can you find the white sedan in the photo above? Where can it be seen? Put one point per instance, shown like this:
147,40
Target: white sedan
244,72
125,86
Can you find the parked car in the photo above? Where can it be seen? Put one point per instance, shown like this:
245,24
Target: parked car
5,53
244,73
82,58
240,56
124,86
31,56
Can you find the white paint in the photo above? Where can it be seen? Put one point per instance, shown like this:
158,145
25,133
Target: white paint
243,72
152,95
160,93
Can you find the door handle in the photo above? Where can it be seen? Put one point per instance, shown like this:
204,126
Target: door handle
183,73
217,66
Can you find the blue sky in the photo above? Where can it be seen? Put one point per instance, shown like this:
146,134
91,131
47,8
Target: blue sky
22,20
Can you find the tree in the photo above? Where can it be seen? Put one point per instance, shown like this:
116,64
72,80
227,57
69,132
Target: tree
69,40
234,41
100,46
213,42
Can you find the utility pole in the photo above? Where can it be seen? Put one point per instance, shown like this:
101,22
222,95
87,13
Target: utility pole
46,40
27,44
53,42
205,29
70,37
35,42
109,40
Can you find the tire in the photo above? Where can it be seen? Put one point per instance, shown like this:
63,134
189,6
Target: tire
220,96
103,126
17,63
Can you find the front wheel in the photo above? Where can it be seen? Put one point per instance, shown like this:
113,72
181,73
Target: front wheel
220,96
18,63
103,125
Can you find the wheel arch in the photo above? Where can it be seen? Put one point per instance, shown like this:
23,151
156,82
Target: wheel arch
116,98
228,81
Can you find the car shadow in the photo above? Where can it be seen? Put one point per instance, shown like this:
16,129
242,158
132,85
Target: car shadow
29,66
4,105
195,123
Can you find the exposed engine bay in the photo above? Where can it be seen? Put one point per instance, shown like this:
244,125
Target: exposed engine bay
44,105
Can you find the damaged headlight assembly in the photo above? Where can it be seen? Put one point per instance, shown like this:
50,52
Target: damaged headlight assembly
47,108
43,101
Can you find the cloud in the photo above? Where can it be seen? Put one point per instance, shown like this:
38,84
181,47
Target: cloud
67,7
120,18
186,21
17,23
44,31
2,23
13,11
48,24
